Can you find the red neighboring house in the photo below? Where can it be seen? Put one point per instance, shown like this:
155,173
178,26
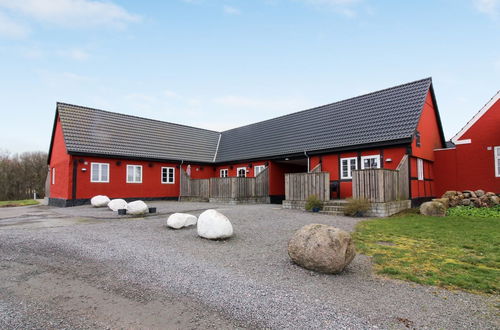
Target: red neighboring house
99,152
473,159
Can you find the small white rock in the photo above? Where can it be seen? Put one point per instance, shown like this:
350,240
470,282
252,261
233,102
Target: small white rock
116,204
99,201
137,207
179,220
214,225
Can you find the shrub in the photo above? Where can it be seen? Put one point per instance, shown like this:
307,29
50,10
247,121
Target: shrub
471,211
356,207
313,202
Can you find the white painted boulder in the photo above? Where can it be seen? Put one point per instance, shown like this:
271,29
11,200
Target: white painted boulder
180,220
137,208
117,204
99,201
214,225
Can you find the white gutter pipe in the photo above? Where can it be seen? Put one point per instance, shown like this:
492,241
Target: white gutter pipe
180,180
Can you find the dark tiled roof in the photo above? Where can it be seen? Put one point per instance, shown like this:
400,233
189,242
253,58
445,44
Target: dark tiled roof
93,131
386,115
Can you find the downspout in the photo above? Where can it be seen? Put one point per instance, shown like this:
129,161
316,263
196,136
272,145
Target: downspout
305,153
180,180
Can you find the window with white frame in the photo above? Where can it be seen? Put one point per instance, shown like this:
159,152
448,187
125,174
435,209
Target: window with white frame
420,169
53,176
259,168
99,172
241,172
134,173
497,161
368,162
168,175
224,173
347,165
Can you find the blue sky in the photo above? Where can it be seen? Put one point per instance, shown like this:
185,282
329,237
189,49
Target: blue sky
219,64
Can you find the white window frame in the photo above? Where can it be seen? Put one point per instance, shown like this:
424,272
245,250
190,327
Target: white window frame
349,171
261,167
133,169
100,172
497,160
370,157
168,175
224,173
420,169
53,175
238,172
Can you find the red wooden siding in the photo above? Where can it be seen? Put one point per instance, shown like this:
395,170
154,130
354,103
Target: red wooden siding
428,128
330,163
471,166
61,162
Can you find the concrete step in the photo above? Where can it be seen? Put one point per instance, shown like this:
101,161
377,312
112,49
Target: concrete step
333,208
332,212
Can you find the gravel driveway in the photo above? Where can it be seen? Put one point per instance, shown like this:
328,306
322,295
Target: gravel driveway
72,268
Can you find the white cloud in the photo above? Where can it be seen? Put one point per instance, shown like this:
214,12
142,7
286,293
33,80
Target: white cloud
231,10
233,101
169,93
75,54
489,7
72,13
10,28
344,7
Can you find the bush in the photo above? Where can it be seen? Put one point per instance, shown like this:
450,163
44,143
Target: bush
471,211
356,207
313,202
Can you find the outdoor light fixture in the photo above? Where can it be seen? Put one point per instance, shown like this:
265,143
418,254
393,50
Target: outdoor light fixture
84,170
118,163
388,160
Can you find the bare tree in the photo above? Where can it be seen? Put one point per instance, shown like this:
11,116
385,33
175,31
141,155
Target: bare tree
22,175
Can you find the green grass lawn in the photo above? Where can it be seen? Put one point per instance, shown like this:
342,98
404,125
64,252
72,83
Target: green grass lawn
23,202
452,252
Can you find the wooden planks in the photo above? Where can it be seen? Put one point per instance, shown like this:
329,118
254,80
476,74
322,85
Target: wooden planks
382,185
299,186
235,188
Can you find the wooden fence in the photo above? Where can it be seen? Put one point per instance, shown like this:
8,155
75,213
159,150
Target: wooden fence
381,185
194,187
299,186
233,188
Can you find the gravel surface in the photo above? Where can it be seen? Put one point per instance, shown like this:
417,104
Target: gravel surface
140,274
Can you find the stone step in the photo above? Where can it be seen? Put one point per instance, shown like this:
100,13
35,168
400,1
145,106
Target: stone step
333,208
332,212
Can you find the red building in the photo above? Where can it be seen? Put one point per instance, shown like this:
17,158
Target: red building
473,159
98,152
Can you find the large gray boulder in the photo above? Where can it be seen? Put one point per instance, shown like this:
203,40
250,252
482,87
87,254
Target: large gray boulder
137,208
434,209
321,248
99,201
180,220
214,225
117,204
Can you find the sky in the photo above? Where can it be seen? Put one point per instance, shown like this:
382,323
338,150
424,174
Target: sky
220,64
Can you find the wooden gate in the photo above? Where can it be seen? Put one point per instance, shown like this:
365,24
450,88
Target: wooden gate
299,186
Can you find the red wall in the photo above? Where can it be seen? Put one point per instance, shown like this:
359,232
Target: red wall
117,186
471,166
428,128
425,187
330,163
61,162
